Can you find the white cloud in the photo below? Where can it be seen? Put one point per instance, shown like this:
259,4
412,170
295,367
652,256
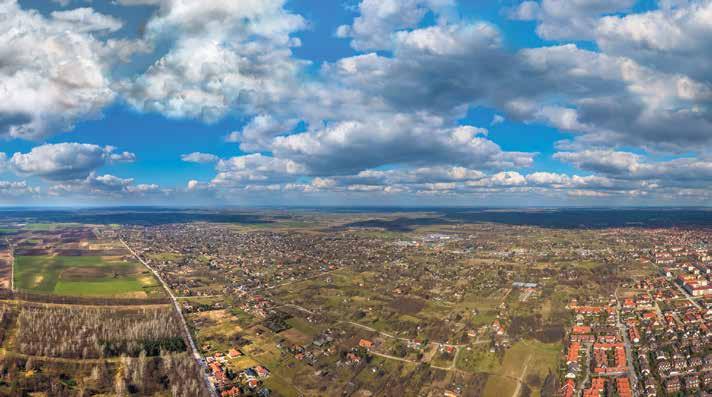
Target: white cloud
567,19
256,169
54,71
198,157
352,146
260,131
603,161
373,29
17,189
497,119
82,20
66,161
672,39
225,56
105,186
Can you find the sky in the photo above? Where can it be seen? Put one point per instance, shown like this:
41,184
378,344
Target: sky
356,102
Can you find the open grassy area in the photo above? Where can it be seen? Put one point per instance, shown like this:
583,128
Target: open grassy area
48,226
83,276
526,360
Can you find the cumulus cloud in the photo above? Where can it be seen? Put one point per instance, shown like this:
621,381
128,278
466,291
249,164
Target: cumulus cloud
106,186
604,161
256,169
85,19
567,19
17,189
348,146
673,39
388,119
225,55
681,172
65,161
54,70
198,157
373,29
258,133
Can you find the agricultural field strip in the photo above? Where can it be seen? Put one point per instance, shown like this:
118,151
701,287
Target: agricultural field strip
196,354
12,264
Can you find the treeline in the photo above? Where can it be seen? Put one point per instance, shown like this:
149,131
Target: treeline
95,332
172,374
6,319
79,300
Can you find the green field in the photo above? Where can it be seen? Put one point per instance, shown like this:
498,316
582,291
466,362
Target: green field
83,276
44,227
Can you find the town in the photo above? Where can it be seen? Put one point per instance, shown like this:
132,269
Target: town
410,304
463,310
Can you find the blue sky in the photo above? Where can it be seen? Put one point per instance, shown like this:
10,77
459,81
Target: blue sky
402,102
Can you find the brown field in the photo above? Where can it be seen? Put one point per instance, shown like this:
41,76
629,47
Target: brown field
407,305
5,269
294,336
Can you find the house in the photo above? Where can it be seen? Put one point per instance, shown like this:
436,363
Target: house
353,358
232,392
672,385
569,388
634,335
233,353
598,385
497,327
261,371
692,382
695,362
365,343
573,354
650,387
707,379
581,329
623,387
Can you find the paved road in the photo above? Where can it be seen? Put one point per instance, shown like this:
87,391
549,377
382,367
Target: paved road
685,294
196,354
628,347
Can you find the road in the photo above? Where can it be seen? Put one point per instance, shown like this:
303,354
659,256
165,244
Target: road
628,346
367,328
521,377
686,295
196,354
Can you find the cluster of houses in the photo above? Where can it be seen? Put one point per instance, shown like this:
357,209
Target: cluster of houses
211,259
229,383
695,284
596,349
321,346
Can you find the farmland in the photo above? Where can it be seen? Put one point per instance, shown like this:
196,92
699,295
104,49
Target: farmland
86,318
67,260
83,276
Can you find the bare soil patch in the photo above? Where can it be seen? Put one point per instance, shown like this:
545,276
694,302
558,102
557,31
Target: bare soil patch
408,305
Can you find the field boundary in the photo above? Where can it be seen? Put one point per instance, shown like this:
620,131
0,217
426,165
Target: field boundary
196,354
